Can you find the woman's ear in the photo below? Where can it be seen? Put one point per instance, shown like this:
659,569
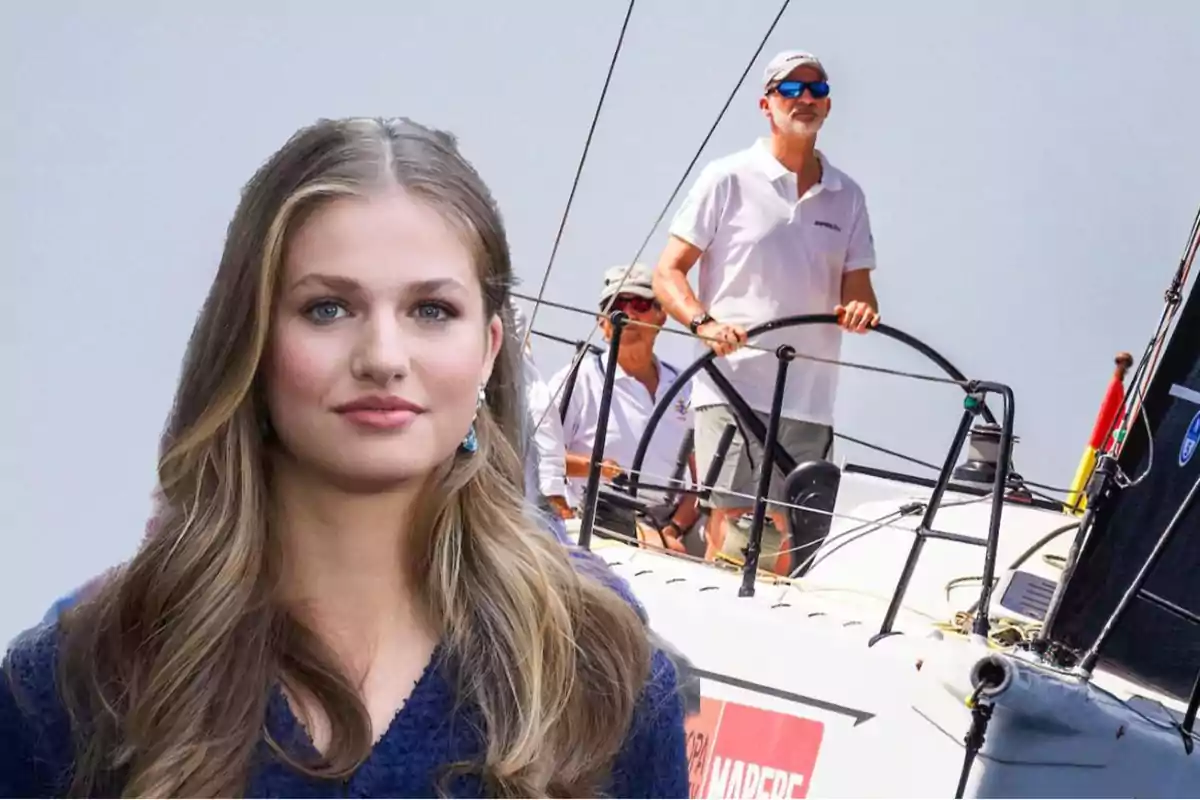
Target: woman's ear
495,340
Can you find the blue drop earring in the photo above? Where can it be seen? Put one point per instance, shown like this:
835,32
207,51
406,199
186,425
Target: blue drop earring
470,442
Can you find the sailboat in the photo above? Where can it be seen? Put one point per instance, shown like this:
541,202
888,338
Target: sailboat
961,633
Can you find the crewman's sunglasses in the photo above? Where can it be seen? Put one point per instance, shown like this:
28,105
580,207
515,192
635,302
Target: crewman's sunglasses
791,89
635,303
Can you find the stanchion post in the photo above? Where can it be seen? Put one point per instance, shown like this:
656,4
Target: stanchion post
785,354
592,494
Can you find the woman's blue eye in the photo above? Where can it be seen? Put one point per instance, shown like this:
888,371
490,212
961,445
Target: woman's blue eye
324,311
433,312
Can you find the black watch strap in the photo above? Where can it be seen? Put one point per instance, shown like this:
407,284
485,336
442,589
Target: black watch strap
698,320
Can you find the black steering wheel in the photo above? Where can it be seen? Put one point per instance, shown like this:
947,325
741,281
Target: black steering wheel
741,409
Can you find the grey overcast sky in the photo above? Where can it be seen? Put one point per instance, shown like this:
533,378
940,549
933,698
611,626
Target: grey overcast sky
1031,169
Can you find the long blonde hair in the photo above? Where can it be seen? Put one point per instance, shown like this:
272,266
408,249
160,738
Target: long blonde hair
168,671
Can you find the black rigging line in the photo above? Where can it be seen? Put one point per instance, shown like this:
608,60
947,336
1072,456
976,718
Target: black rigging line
1047,487
682,180
886,451
712,129
562,225
585,345
1147,366
582,346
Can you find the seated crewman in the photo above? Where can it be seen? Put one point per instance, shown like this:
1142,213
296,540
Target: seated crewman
641,379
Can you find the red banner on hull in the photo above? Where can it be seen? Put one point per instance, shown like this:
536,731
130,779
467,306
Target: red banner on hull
742,751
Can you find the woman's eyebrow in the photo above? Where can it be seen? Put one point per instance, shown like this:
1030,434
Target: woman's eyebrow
335,282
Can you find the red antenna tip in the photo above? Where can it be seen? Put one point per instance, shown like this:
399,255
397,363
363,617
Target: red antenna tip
1123,361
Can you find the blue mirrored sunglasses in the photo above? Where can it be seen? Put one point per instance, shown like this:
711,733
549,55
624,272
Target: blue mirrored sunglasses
818,89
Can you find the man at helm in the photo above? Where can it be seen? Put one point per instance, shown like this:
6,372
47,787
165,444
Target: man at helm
777,231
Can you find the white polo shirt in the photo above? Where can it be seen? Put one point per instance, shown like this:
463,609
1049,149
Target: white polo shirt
628,414
770,254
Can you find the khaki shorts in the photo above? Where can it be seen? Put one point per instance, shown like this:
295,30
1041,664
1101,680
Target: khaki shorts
737,538
737,483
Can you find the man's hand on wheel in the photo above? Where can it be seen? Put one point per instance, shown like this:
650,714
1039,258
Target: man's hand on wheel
722,338
610,469
856,316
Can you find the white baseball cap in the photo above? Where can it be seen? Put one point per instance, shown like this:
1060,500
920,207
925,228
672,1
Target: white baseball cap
639,282
788,60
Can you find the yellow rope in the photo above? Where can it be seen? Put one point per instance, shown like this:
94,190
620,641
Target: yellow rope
1004,634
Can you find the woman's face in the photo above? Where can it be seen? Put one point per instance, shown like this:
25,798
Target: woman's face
379,341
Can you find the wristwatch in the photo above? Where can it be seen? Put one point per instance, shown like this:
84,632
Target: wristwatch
700,319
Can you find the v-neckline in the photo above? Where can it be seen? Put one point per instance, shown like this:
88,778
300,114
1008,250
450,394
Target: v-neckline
300,736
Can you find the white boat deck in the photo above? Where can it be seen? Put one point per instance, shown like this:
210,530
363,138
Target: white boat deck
891,717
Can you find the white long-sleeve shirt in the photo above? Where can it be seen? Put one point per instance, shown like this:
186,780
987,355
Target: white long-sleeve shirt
546,459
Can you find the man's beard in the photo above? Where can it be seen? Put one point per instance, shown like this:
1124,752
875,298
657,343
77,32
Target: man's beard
797,126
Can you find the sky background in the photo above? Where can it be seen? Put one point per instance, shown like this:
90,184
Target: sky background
1031,170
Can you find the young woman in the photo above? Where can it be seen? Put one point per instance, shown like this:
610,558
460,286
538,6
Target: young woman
344,594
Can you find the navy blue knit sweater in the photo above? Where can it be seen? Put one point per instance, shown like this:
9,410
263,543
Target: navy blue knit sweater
431,731
426,734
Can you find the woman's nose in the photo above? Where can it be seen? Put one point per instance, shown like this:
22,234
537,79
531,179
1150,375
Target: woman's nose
382,352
